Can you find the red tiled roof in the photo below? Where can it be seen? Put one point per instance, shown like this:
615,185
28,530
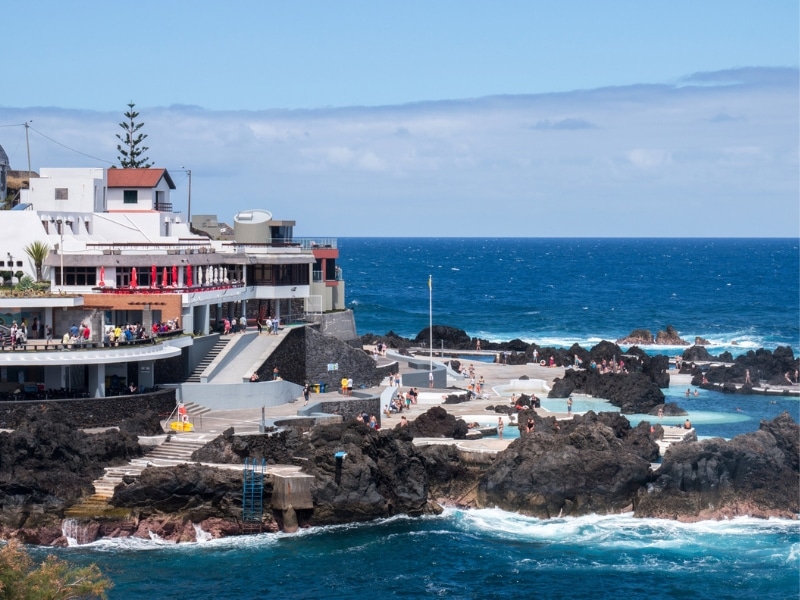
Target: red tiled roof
138,178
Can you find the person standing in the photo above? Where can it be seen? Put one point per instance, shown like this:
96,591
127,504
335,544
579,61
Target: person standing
500,428
569,406
243,323
306,392
430,379
258,324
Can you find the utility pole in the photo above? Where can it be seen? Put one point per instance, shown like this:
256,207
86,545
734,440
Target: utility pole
189,207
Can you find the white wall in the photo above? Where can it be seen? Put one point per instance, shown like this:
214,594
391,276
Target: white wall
147,197
20,228
83,188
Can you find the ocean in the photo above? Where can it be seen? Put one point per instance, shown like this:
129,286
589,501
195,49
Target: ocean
738,294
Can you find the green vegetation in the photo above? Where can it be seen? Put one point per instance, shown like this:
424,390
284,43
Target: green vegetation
131,150
38,252
25,284
53,579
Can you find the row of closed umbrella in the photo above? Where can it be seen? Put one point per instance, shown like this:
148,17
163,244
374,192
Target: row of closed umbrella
212,275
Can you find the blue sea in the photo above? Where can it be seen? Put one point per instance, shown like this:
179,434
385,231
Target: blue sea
739,294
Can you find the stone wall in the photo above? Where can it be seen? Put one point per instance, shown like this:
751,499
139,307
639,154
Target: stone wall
172,370
419,376
348,408
94,412
341,325
305,353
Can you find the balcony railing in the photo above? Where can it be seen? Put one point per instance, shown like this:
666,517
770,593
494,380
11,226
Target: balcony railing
318,276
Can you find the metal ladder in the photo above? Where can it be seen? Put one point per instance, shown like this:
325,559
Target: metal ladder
252,495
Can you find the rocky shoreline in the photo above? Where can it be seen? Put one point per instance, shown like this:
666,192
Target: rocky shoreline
591,463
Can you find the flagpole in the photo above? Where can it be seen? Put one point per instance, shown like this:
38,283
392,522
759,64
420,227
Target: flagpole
430,318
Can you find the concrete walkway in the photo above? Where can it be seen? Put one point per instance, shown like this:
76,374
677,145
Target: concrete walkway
250,354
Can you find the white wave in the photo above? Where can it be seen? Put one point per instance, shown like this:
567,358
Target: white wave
137,544
200,534
624,532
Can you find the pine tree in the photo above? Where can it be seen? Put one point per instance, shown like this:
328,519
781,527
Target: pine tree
130,150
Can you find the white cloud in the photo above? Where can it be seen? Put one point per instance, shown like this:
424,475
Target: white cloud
483,167
648,158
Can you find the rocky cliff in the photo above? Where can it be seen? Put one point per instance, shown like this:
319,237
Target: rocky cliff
593,463
754,474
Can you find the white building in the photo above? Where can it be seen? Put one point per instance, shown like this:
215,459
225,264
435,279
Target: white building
120,254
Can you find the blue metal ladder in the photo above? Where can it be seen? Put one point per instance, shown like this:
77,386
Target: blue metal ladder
252,495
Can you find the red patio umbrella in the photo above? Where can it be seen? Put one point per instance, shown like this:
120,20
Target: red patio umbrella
174,276
164,281
153,276
188,275
133,277
102,276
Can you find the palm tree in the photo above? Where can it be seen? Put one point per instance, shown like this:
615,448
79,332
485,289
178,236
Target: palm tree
38,252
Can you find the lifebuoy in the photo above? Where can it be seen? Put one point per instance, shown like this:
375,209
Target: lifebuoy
185,418
541,363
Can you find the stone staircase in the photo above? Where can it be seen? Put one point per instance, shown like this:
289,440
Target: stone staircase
222,342
195,412
176,450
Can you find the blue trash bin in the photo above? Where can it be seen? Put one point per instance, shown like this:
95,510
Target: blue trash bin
322,387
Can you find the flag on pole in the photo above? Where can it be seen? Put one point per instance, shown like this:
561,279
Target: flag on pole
430,282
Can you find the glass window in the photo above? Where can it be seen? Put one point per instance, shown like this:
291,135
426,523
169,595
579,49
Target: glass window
78,276
62,193
130,196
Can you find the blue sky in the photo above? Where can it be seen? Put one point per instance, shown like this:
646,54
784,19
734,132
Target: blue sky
430,118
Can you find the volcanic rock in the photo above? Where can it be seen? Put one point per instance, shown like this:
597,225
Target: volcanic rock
582,468
696,352
437,422
382,474
637,337
47,464
670,337
452,337
753,474
631,392
190,492
766,368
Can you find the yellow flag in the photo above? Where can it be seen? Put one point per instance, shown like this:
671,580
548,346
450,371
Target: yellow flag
430,282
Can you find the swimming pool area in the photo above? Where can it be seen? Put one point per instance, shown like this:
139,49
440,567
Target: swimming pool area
712,413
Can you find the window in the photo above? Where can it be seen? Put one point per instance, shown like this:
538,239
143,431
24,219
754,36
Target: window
130,196
62,193
78,276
